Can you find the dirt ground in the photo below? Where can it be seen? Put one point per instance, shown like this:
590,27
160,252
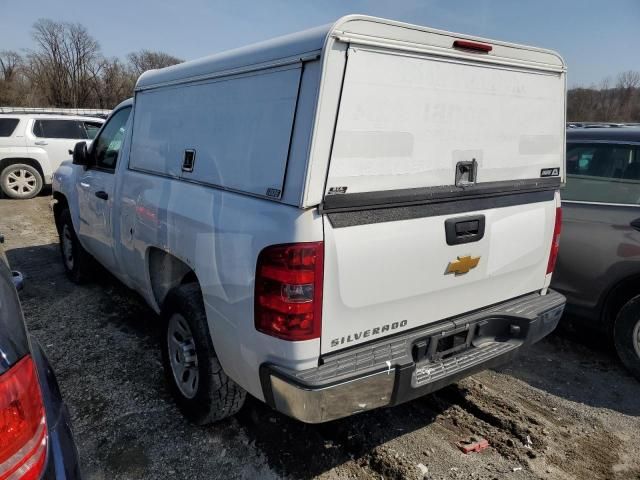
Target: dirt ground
562,410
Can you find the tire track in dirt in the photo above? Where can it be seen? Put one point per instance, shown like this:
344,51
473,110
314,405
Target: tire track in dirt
548,443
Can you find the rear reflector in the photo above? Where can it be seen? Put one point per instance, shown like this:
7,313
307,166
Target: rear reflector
555,243
475,46
288,292
23,431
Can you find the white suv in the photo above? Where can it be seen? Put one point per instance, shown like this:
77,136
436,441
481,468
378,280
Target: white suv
32,147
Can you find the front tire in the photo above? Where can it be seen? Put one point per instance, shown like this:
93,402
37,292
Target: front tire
626,335
77,262
20,181
203,391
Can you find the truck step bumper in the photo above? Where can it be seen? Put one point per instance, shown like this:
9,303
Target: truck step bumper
396,369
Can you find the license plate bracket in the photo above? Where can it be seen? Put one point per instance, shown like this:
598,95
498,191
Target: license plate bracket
444,345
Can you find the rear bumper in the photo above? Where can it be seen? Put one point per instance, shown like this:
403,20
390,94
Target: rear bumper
396,369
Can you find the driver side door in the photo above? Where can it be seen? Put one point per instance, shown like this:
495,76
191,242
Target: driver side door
96,186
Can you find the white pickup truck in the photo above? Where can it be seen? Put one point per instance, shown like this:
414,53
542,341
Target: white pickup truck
332,221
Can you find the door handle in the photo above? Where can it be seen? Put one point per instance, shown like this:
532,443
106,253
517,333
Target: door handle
464,229
41,142
84,185
102,195
635,224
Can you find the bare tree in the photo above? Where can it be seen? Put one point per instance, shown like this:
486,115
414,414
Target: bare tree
10,61
67,69
627,88
65,63
607,102
14,87
145,60
116,83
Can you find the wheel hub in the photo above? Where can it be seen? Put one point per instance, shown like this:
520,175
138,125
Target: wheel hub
182,356
636,338
21,181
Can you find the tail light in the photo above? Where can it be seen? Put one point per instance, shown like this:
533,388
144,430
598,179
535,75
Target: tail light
288,296
555,243
23,431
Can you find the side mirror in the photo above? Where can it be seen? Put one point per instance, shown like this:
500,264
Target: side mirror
80,154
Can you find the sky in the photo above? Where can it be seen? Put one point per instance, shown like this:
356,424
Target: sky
597,38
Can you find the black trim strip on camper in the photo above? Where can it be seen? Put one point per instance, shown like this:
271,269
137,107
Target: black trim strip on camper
431,209
421,196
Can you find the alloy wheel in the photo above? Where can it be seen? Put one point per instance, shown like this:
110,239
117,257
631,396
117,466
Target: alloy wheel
22,182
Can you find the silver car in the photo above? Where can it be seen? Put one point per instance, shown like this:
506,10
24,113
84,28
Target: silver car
599,262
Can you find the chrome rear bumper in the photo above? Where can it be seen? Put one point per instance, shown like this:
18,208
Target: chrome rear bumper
392,370
317,405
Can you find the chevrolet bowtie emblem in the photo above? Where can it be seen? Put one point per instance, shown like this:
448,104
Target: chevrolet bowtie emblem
463,265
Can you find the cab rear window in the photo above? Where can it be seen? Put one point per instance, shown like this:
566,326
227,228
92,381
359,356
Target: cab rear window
603,173
7,126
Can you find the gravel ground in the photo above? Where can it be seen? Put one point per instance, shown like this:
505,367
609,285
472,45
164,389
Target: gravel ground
561,410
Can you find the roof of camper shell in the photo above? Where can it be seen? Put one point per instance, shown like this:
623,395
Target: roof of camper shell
303,44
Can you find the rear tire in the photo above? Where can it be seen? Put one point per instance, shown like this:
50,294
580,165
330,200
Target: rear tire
203,392
20,181
78,264
626,335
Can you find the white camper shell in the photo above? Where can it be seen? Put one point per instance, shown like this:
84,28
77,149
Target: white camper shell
423,166
379,104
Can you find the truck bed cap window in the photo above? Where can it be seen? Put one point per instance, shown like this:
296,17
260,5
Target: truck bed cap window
240,128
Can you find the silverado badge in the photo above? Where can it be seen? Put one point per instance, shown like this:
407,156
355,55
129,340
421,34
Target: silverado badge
462,265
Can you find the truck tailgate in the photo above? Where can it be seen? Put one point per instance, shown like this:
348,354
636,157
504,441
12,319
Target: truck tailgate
388,276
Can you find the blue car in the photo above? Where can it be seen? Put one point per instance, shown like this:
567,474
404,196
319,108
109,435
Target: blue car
36,441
